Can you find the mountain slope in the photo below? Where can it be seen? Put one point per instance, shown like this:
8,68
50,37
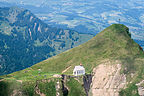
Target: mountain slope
113,47
26,40
112,43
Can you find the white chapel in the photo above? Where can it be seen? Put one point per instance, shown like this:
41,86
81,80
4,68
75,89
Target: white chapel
79,70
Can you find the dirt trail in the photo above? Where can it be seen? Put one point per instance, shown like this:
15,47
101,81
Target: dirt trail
19,81
66,69
107,80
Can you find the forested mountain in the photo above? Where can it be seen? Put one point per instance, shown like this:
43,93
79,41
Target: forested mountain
26,40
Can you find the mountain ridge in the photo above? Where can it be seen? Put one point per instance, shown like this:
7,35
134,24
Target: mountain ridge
97,43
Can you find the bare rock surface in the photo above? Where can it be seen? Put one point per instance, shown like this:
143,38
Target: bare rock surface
107,80
141,91
57,76
57,88
140,88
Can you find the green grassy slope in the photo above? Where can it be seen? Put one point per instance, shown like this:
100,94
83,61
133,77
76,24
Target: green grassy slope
75,88
113,43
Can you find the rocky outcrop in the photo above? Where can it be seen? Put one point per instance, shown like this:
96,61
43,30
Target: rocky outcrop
140,88
107,80
87,80
58,88
64,87
37,90
16,93
141,91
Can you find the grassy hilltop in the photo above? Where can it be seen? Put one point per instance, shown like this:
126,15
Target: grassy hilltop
113,43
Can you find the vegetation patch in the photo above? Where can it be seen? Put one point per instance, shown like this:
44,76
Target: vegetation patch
8,86
28,88
48,88
131,90
75,88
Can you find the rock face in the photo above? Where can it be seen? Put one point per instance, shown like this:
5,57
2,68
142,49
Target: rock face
140,88
141,91
107,80
64,87
87,80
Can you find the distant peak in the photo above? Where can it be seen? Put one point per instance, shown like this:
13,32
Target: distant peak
117,29
118,26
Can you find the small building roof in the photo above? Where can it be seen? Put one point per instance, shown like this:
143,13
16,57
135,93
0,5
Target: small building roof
79,68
